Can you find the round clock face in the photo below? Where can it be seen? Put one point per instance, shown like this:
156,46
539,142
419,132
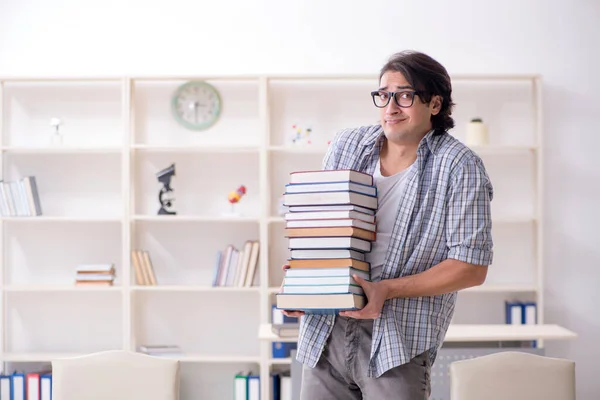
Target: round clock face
196,105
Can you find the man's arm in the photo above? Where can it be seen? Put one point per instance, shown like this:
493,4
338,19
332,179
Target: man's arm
469,240
468,236
448,276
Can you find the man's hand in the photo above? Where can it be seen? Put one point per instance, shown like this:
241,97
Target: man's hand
376,293
293,314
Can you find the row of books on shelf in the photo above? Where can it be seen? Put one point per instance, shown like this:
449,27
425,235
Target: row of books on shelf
161,350
237,267
20,198
104,274
38,386
26,386
330,226
143,268
520,312
234,267
94,275
283,326
246,386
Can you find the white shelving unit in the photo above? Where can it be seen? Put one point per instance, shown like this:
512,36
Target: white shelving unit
99,195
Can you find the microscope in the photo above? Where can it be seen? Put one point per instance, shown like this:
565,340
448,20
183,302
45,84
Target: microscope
164,177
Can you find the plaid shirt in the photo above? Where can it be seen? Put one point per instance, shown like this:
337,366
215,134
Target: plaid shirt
445,213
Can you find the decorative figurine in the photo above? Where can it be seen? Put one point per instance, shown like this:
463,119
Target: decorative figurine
477,134
235,196
164,177
57,137
301,137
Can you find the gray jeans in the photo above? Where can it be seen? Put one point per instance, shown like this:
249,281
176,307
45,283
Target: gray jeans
341,372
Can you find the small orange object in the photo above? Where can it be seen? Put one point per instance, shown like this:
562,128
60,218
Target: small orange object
236,195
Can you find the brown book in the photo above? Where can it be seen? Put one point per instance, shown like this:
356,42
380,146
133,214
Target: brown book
140,278
331,232
93,283
97,272
330,263
145,257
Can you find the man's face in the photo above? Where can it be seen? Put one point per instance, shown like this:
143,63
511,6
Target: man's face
404,124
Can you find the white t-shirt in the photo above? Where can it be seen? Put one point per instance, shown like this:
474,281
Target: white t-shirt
390,190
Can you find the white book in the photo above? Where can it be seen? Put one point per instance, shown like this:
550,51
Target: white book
323,289
316,274
286,388
330,198
331,176
18,388
159,349
5,387
342,242
344,214
45,387
324,280
94,277
330,207
311,254
530,314
330,187
94,267
319,303
331,223
33,387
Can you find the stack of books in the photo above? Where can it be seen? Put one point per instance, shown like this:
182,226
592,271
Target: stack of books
160,350
330,227
95,275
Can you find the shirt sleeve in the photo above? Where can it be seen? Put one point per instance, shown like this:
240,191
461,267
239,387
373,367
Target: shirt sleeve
332,156
468,218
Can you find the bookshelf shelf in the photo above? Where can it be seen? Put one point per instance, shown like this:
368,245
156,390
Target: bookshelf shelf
43,218
504,150
482,150
61,288
61,150
198,358
37,357
194,149
320,150
194,218
191,288
189,358
99,195
505,332
487,288
280,361
471,333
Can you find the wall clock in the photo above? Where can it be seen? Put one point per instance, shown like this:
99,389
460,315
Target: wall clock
196,105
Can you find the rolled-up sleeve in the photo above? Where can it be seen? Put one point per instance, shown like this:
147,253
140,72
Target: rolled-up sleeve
468,218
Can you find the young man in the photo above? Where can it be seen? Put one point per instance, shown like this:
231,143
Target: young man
433,239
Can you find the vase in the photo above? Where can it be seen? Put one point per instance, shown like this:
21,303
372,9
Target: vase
477,133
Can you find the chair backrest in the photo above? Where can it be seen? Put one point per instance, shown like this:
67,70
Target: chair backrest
115,375
512,375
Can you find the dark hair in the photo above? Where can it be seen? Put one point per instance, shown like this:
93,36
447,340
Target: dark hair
429,77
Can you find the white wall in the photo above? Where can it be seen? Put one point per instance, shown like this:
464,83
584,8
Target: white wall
558,39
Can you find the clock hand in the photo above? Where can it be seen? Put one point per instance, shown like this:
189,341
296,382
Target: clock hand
194,105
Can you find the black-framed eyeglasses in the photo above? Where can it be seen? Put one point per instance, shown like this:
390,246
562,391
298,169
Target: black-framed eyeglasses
402,98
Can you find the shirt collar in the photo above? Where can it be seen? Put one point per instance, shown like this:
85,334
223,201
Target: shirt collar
430,140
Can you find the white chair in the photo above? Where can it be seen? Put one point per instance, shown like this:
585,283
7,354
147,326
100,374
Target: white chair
512,375
115,375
